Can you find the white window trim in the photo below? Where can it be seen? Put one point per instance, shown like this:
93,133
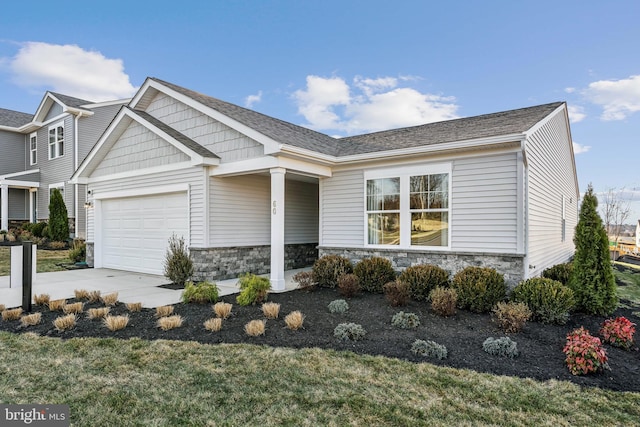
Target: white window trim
56,144
404,173
33,152
58,185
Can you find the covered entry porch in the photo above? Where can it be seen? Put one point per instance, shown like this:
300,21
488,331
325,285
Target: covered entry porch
18,199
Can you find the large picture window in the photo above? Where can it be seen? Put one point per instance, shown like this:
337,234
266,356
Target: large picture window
56,141
409,208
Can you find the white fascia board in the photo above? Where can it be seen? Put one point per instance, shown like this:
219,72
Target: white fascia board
77,111
132,173
147,191
270,146
107,103
19,184
266,163
27,172
544,121
46,101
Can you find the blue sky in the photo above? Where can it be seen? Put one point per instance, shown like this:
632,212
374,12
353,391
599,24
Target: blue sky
349,67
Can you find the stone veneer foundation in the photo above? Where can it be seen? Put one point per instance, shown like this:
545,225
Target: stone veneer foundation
228,263
512,266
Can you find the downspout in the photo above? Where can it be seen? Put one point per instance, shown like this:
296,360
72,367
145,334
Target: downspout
525,208
75,168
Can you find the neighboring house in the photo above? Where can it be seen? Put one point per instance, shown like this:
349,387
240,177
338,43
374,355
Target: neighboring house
41,151
638,234
251,193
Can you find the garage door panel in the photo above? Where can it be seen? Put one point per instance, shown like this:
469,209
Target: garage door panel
136,230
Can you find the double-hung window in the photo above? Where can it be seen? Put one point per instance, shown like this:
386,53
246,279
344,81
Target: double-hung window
409,207
56,140
33,148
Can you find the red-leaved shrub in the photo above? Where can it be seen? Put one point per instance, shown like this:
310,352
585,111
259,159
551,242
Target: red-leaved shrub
584,352
618,332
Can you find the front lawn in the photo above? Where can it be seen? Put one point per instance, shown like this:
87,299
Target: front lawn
628,281
48,260
171,383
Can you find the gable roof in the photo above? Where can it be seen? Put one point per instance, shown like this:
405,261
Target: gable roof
14,119
70,101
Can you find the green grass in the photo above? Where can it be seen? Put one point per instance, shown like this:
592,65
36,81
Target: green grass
630,276
169,383
47,260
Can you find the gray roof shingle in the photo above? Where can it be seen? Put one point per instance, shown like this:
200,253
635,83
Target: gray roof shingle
488,125
14,118
181,138
70,101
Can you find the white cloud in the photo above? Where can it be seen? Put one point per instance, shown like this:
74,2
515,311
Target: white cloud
369,104
70,70
619,98
570,89
576,113
253,99
579,149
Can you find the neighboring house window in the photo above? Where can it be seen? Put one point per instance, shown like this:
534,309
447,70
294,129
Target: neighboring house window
408,207
59,186
33,148
56,140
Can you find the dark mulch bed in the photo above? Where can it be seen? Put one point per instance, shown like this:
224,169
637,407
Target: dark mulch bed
540,345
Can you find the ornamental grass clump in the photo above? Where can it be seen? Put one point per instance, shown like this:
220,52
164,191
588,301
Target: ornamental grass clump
178,266
349,332
13,314
93,297
327,269
31,319
41,299
424,278
64,323
479,288
134,307
253,289
57,304
294,320
164,311
511,316
222,309
397,293
213,324
444,301
584,353
116,323
110,299
170,322
348,285
81,294
503,347
200,293
255,328
550,301
338,306
75,308
429,349
2,308
405,320
98,313
271,310
374,273
618,332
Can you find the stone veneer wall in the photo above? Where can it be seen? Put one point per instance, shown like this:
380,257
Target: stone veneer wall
228,263
90,256
511,265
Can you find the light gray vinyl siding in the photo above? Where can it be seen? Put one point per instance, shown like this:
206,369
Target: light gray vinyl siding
54,111
484,204
91,128
551,175
342,209
240,212
18,204
192,176
13,152
220,139
301,212
138,148
81,220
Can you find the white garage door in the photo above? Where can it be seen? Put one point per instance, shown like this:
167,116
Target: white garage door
135,230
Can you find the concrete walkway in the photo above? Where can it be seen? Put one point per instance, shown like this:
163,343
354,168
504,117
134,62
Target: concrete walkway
131,287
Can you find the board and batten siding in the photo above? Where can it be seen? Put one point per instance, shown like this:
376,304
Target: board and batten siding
14,153
342,209
138,148
551,176
229,144
484,204
301,212
192,176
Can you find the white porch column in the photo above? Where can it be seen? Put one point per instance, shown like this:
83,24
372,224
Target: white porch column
277,228
4,212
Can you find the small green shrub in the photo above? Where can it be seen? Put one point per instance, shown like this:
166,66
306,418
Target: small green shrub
429,349
338,306
559,272
422,279
511,316
348,285
38,229
253,289
503,347
200,293
550,301
374,273
58,217
178,266
479,288
349,331
78,251
405,320
444,301
329,268
305,280
397,293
